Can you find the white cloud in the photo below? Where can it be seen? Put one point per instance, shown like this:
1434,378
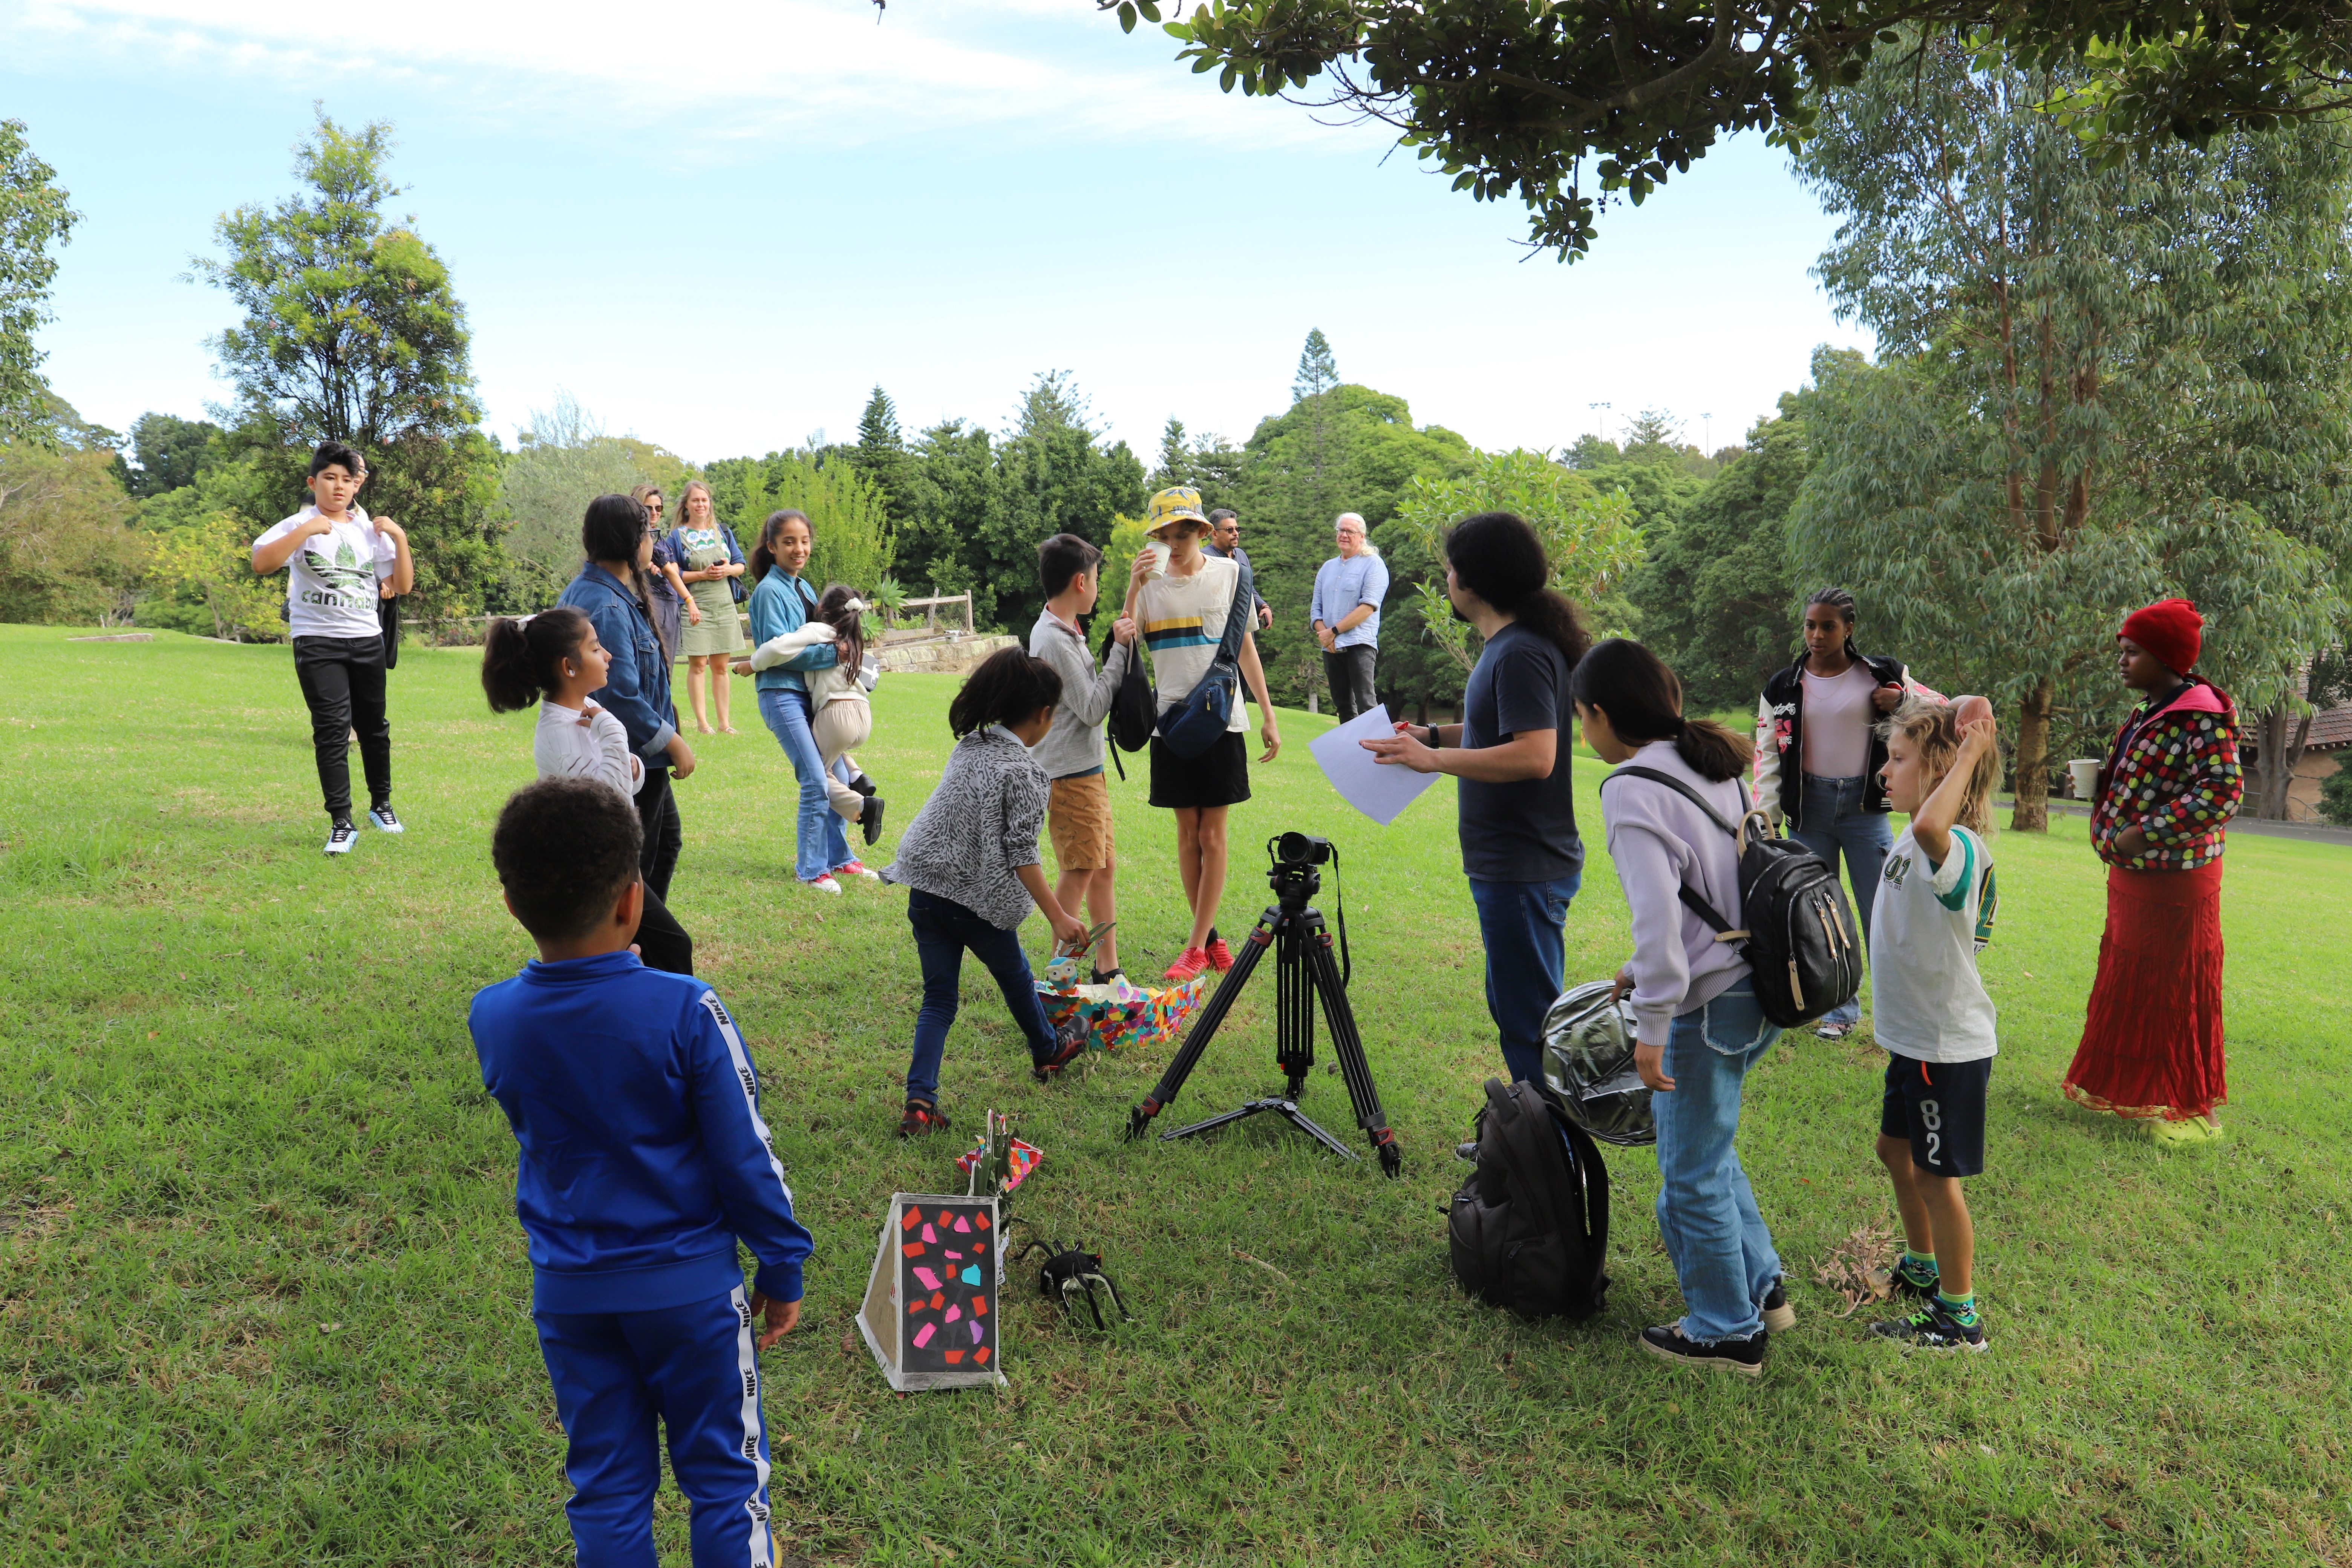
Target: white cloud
710,78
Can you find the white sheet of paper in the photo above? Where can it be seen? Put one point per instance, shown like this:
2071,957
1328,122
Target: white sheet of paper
1377,789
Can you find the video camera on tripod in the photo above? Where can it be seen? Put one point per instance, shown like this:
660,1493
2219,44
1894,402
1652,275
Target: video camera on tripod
1305,972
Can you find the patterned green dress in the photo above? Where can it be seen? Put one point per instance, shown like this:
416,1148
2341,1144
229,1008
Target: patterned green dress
722,630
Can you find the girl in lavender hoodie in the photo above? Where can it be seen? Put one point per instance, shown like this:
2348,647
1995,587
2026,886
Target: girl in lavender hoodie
1698,1028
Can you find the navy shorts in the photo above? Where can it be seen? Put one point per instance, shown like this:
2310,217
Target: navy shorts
1940,1108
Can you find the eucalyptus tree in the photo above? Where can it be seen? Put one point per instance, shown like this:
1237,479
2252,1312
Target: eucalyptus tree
34,216
2101,382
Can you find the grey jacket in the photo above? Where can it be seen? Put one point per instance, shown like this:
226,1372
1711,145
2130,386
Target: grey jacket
1075,744
979,828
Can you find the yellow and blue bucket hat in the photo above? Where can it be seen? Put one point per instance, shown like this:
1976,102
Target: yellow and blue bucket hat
1178,503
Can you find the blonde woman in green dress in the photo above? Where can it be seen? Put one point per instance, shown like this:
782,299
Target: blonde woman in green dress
709,560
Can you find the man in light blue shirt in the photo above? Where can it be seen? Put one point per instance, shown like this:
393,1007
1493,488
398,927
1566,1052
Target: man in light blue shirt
1346,610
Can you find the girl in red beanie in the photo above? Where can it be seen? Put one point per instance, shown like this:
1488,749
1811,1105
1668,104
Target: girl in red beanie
2151,1045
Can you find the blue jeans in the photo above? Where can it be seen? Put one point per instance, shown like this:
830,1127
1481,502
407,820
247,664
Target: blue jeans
1722,1254
1520,924
943,929
823,844
1833,821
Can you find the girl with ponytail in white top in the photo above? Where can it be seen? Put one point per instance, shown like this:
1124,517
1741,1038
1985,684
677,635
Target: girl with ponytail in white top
554,657
1698,1028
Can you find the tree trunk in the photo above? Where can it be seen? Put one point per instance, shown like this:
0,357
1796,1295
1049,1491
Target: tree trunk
2033,812
2281,737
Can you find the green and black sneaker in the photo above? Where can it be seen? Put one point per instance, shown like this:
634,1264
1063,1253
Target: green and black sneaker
1938,1326
1904,1282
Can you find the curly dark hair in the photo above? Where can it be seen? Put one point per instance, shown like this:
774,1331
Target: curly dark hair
565,850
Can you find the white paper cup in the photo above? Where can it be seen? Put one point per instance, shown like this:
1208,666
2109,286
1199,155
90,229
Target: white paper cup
2086,775
1159,553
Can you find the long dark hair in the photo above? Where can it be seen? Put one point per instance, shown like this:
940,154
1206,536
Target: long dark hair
833,609
610,531
763,554
1008,687
1497,556
1643,700
519,656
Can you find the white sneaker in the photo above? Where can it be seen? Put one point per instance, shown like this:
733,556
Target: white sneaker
382,817
341,837
824,884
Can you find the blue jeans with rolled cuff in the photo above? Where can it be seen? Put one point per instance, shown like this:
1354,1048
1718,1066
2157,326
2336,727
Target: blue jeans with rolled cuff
1834,823
1520,923
944,930
1721,1251
821,842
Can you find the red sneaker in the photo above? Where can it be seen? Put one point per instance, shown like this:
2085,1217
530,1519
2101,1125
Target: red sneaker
856,868
919,1118
1221,957
1190,963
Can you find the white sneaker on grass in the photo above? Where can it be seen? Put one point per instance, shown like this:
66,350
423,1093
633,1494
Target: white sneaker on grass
342,837
824,884
382,817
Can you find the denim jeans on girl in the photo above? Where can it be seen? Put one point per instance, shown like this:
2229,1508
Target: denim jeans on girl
1722,1254
943,929
1520,923
1834,821
822,843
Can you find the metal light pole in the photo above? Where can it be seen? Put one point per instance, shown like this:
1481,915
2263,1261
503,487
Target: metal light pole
1600,419
1706,433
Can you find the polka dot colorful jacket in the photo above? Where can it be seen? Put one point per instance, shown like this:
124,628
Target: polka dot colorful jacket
2175,775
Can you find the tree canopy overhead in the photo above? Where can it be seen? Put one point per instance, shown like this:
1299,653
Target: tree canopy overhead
1513,98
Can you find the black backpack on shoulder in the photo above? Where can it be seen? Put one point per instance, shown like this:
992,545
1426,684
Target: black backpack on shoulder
1529,1229
1800,940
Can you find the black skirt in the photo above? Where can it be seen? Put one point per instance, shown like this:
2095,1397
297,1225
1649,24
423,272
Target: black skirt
1218,776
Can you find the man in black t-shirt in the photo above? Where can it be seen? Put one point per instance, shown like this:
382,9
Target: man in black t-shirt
1519,845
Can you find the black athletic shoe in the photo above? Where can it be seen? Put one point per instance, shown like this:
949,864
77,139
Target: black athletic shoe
342,837
1934,1327
1466,1150
869,818
1109,976
1069,1044
863,784
1779,1316
1901,1287
1745,1357
919,1118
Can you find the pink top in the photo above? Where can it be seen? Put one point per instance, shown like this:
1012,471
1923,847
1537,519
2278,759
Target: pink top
1838,717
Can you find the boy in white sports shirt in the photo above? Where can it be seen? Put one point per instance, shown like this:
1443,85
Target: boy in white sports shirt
338,556
1932,1015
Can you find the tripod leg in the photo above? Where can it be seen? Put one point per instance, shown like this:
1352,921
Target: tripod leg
1323,974
1204,1027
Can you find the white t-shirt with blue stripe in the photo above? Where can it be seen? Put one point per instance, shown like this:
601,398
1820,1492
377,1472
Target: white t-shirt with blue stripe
1928,1001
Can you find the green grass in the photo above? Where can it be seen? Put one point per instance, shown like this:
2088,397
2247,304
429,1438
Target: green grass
263,1298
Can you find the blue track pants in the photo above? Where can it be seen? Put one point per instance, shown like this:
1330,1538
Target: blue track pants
694,1369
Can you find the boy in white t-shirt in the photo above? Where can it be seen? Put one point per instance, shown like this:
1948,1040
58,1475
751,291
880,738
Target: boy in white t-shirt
1933,1014
339,556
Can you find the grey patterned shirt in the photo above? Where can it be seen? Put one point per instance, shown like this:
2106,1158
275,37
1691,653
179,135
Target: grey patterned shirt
978,828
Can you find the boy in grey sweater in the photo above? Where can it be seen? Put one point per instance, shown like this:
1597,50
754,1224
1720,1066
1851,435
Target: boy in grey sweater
1077,811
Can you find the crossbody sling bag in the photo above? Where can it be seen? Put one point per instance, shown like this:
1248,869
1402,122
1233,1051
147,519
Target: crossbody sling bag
1192,725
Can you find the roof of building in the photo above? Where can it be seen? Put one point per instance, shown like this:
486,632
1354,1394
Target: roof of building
2330,728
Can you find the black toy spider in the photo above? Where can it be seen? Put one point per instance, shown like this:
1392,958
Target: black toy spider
1071,1270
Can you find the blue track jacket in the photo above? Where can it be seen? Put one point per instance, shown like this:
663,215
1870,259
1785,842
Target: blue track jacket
645,1157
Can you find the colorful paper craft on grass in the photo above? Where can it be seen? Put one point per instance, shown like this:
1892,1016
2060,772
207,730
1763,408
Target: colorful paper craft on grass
1122,1015
998,1159
930,1315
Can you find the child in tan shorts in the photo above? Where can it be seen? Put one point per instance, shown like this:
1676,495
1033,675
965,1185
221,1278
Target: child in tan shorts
1077,810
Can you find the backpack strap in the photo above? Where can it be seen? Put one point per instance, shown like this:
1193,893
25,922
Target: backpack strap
1237,616
1723,929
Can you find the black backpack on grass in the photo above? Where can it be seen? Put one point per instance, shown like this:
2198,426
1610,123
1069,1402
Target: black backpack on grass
1800,940
1529,1229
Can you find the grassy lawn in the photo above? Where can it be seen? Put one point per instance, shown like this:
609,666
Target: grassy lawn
263,1298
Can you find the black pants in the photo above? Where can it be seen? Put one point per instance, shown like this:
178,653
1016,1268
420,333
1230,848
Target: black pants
657,810
342,681
662,943
1349,671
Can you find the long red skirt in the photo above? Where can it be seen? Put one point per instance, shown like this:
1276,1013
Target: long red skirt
2152,1039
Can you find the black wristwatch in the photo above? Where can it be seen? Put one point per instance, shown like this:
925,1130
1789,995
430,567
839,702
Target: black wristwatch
1436,739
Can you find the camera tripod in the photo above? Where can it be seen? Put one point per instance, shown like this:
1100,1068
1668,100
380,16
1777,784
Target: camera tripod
1304,971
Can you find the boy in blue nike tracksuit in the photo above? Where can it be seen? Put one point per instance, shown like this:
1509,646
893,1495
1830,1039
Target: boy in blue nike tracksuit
645,1161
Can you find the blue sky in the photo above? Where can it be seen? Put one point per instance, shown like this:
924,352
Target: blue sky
718,226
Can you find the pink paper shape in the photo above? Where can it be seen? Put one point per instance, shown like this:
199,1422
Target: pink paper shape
963,1222
953,1314
923,1335
931,1280
929,1235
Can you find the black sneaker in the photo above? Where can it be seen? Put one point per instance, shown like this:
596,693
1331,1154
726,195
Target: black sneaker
1779,1316
1466,1150
1898,1285
863,784
1109,976
342,837
1745,1357
381,814
1069,1044
1934,1327
919,1118
869,818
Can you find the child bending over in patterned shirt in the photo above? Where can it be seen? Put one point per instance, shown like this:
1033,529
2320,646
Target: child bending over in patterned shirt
970,866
